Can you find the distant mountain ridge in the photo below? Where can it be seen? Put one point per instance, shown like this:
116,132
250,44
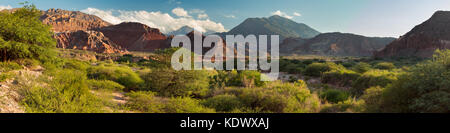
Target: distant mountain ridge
423,39
274,25
334,44
186,30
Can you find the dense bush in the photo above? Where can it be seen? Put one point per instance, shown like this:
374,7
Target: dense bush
223,103
362,67
334,96
385,66
280,97
372,98
168,82
145,101
423,90
148,102
76,64
66,92
9,66
292,66
372,78
340,77
186,105
347,106
122,75
23,35
236,78
105,85
316,69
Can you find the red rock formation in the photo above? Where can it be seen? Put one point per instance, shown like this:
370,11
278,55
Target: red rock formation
63,21
334,44
423,40
88,40
136,36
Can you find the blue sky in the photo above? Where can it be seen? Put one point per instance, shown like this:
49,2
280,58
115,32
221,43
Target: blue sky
366,17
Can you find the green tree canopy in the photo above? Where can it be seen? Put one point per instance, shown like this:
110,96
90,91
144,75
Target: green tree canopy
23,35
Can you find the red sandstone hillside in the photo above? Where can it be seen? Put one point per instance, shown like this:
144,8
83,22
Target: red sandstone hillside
334,44
423,40
66,21
77,30
136,36
88,40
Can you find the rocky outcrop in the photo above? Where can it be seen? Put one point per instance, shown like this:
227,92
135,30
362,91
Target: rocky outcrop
136,36
87,40
422,40
334,44
69,21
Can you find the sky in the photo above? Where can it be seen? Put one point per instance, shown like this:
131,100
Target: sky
382,18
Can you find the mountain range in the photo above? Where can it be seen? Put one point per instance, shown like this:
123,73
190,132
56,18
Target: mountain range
274,25
77,30
334,44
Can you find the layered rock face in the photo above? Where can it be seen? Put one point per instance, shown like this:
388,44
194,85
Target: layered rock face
136,36
77,30
88,40
68,21
334,44
423,40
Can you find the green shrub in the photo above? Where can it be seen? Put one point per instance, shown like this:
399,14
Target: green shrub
145,101
280,97
29,63
186,105
334,96
373,78
9,66
340,77
105,85
23,35
347,106
385,66
65,92
362,67
316,69
372,98
223,103
425,89
76,64
168,82
251,79
122,75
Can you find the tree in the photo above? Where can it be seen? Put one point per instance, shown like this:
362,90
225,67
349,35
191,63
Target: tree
23,35
426,89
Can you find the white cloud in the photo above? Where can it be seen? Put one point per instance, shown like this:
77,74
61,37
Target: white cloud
5,7
202,16
105,15
230,16
282,14
163,21
180,12
297,14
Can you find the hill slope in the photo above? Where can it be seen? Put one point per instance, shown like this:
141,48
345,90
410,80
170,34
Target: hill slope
335,44
274,25
423,39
